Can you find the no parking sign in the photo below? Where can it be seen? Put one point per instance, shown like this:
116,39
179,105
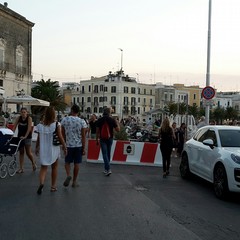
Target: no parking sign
208,93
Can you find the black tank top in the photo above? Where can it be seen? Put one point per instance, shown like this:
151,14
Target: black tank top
23,127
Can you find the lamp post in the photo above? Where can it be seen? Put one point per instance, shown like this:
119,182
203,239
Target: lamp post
207,109
121,59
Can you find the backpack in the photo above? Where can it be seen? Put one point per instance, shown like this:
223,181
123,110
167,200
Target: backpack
105,131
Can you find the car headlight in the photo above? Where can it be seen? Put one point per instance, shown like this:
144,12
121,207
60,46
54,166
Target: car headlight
235,158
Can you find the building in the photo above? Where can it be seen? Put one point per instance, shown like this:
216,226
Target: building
124,94
191,95
15,53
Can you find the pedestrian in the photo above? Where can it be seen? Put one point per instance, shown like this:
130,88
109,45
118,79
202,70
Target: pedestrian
106,143
48,153
166,136
23,124
92,126
175,139
181,138
73,130
201,122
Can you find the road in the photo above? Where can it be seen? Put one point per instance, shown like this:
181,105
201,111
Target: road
134,203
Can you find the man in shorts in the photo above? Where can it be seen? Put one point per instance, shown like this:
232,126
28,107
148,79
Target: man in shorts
73,130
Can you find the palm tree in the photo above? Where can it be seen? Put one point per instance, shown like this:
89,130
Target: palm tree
49,91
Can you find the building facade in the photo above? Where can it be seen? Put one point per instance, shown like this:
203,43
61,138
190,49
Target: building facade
124,94
15,53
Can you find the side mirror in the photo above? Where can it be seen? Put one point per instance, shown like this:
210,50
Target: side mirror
209,142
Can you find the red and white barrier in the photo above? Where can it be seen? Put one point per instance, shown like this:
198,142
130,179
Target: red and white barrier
126,152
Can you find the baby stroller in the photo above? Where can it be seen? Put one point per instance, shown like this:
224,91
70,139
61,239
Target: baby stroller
9,146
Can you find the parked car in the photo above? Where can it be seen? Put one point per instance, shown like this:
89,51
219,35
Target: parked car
213,153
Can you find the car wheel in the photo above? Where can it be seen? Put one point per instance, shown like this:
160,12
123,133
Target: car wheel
220,182
184,167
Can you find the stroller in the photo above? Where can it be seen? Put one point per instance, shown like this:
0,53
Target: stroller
9,146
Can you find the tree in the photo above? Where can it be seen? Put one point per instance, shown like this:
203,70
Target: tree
219,114
231,113
49,91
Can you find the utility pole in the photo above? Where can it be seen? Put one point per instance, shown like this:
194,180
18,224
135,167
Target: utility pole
207,109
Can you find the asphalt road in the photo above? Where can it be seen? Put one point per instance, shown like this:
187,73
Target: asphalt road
134,203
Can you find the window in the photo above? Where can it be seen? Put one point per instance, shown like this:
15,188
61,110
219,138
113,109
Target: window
150,91
89,88
19,58
96,89
82,89
144,91
2,52
101,88
133,90
194,96
139,91
89,99
133,101
113,89
125,89
125,101
165,96
113,100
1,83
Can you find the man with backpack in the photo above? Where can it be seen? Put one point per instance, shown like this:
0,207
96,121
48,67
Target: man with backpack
104,132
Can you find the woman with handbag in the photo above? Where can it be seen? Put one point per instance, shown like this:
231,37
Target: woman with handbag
48,147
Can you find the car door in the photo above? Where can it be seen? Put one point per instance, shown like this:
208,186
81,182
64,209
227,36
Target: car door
194,150
207,155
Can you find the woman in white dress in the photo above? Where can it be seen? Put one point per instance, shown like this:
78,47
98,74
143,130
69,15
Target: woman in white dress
48,153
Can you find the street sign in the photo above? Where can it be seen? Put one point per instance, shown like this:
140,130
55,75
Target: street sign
208,92
128,149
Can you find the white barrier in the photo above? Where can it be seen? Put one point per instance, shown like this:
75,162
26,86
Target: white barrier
127,152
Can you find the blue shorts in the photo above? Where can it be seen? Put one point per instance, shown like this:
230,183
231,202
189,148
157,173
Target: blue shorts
74,155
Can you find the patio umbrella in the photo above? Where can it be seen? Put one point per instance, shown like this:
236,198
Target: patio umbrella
26,100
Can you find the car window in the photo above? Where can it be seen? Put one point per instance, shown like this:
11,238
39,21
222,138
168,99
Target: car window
229,138
200,134
212,135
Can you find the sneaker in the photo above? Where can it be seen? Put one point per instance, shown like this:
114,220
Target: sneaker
67,181
105,172
108,173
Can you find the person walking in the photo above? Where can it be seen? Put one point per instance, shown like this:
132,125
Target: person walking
73,131
48,153
92,126
109,124
181,138
24,125
166,136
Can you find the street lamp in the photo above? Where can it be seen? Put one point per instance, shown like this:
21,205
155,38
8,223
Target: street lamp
121,59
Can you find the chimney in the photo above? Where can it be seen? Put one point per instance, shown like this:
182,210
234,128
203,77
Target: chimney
5,4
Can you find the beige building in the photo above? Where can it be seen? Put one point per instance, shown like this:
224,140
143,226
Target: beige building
188,94
15,53
124,94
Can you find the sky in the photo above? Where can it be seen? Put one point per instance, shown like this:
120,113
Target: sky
161,40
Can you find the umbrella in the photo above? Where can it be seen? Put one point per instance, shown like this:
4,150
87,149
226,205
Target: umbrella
26,100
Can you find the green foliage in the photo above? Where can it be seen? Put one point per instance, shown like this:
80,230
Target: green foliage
121,135
48,91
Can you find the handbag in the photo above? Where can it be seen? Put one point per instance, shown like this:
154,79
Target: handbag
56,141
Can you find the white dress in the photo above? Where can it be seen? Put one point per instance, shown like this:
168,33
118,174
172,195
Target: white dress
48,153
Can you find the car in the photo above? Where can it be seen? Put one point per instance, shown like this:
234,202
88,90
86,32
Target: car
213,153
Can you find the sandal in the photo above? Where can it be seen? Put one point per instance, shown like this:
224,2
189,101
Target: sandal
67,181
34,167
53,189
20,171
40,189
